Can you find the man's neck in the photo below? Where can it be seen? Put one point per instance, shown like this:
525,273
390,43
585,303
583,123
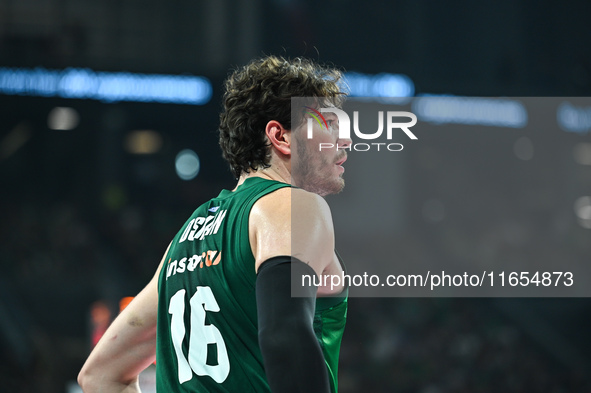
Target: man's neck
272,173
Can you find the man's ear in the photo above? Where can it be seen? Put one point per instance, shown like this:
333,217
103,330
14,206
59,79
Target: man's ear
279,137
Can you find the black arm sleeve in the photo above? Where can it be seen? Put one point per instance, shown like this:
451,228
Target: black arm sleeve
292,355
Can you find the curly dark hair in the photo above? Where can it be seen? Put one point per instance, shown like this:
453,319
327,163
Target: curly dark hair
260,92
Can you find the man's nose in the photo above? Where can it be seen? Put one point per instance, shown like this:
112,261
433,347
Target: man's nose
344,142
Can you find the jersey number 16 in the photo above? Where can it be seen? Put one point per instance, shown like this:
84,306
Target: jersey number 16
199,337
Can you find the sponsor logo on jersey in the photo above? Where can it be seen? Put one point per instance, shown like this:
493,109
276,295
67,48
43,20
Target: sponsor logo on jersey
205,259
200,227
213,209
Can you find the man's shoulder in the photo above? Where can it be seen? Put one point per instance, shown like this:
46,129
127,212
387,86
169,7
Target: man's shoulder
292,222
290,201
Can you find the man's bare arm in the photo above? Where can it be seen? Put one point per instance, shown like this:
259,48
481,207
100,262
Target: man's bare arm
127,347
291,231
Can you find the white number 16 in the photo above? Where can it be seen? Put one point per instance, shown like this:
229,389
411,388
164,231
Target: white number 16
199,337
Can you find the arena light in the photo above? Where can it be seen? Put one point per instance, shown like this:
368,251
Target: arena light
582,153
524,148
187,164
582,208
495,112
63,118
105,86
394,88
574,119
143,142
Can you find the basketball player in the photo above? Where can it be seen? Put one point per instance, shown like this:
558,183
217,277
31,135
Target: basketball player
221,297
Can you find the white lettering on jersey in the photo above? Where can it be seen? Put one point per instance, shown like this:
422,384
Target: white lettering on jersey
206,259
186,232
200,227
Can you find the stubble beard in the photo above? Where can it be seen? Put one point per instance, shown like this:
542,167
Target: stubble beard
314,173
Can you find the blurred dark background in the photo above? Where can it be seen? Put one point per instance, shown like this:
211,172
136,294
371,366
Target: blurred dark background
86,216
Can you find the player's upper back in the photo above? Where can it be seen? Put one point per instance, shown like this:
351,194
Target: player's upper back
207,289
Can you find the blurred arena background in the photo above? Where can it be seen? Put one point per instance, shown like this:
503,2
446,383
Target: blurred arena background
94,183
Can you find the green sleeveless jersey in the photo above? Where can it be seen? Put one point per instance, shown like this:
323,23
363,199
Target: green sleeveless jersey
207,338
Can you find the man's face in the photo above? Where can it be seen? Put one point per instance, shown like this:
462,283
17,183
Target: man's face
315,170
